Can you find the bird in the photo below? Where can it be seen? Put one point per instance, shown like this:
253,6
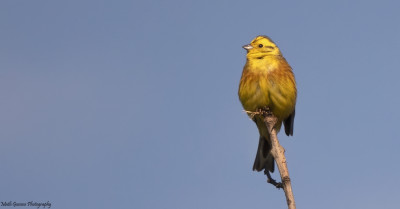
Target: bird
267,83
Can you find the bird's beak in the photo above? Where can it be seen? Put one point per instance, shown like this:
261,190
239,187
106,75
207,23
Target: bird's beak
247,47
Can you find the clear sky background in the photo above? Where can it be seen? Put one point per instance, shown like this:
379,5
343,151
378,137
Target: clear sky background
133,104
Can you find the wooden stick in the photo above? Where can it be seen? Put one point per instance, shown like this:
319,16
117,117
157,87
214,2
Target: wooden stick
279,154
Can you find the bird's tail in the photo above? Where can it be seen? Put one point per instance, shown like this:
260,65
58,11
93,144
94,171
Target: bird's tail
264,159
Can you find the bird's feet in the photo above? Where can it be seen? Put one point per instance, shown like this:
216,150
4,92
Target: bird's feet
265,111
272,181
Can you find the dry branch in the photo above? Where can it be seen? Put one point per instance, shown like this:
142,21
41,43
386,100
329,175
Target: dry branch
279,154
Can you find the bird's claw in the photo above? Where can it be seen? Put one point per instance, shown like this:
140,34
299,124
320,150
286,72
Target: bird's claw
272,181
265,111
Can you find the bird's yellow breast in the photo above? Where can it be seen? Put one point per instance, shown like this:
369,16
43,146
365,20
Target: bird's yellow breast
268,82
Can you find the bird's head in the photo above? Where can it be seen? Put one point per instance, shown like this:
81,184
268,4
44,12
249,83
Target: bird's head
261,46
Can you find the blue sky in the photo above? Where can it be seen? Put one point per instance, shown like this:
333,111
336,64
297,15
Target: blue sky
133,104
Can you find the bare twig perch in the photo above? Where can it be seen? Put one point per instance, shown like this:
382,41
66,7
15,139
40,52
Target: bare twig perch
279,154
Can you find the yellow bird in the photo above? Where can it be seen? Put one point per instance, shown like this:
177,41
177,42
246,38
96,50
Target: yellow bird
267,82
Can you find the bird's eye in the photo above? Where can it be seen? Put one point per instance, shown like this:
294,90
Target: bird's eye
260,45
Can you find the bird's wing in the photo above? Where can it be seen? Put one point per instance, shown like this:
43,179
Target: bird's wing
289,123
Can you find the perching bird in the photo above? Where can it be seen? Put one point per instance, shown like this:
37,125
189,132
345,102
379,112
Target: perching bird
267,82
